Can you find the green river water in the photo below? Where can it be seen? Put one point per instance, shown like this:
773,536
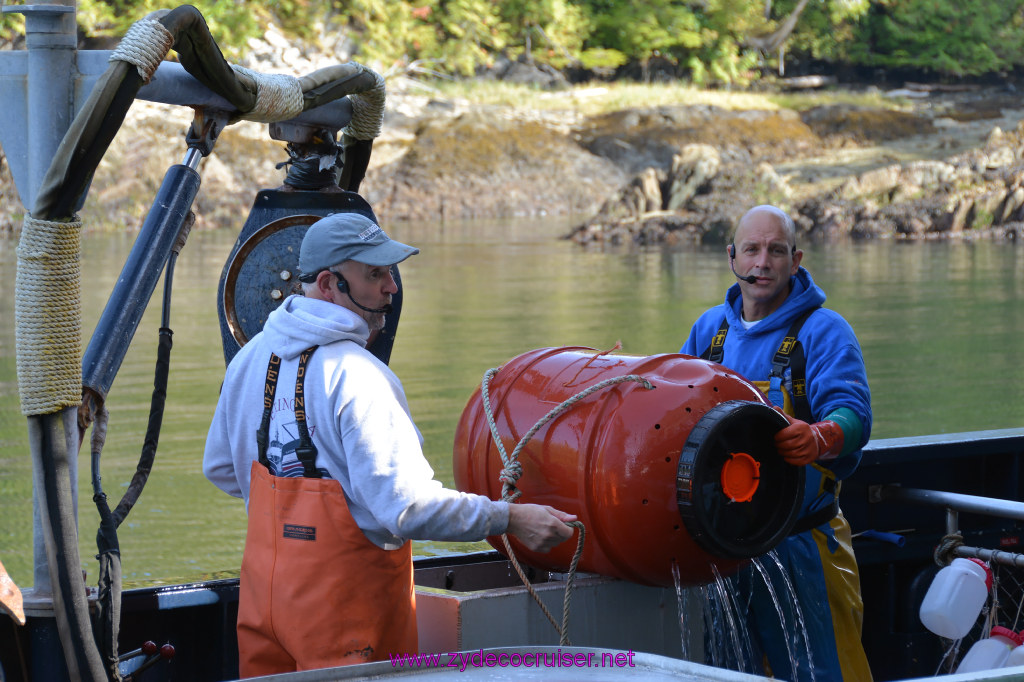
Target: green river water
939,323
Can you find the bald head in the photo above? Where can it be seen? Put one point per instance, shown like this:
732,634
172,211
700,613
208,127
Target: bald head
781,217
764,257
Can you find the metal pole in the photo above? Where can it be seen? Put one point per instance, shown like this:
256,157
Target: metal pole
975,504
991,555
51,41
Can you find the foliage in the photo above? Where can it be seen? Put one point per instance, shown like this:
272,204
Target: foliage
707,41
824,27
549,31
231,24
390,32
645,28
948,37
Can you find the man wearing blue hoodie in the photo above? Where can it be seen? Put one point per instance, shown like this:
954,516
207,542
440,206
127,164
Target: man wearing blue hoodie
772,330
314,433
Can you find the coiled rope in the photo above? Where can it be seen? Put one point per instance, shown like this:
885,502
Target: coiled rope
367,109
145,45
513,469
47,316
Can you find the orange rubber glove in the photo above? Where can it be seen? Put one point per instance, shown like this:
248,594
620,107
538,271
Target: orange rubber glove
801,443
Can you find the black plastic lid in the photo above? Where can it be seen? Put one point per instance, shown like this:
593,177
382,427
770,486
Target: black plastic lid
722,527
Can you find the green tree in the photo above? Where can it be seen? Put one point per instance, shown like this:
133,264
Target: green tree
949,37
389,32
471,33
231,24
825,28
548,31
644,29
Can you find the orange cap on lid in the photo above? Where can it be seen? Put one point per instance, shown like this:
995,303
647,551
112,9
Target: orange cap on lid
740,476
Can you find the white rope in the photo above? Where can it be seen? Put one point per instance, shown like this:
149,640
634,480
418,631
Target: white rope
278,96
367,109
47,316
145,45
513,469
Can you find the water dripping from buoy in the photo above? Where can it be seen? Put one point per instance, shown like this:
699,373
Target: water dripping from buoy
756,563
727,639
681,599
797,610
735,626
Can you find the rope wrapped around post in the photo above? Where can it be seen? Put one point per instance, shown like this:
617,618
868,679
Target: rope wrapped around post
278,96
512,470
144,45
47,316
945,551
367,109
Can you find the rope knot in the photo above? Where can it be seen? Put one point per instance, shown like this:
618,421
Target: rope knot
511,473
509,476
945,552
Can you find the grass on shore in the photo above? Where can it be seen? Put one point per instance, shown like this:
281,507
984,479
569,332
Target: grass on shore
593,99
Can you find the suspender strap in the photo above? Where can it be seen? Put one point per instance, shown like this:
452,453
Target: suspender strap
269,390
830,486
305,451
815,519
791,354
715,351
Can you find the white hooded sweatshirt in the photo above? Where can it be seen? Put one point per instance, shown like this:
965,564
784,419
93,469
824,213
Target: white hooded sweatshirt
359,420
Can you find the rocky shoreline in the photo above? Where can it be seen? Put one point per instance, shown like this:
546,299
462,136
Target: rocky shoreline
945,165
948,165
897,185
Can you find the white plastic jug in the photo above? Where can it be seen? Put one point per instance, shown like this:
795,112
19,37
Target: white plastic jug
1016,656
955,597
991,652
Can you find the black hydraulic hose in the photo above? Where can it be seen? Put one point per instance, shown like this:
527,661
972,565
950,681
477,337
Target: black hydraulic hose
357,160
156,415
108,603
91,133
83,146
53,480
199,54
108,612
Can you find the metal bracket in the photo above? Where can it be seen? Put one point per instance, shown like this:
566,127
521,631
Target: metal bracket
876,493
206,127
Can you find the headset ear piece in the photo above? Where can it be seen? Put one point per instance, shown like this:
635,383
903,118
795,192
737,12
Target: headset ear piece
732,251
341,283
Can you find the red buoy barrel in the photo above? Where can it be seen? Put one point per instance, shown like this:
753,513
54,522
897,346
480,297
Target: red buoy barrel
683,473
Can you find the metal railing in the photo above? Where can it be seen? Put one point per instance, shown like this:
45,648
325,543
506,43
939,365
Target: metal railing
954,503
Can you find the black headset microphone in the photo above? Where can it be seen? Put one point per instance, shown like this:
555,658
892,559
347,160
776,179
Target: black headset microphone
749,279
343,288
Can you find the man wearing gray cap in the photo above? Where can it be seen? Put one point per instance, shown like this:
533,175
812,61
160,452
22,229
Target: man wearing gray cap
334,476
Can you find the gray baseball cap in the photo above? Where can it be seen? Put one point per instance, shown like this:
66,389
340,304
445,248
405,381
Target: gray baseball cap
348,236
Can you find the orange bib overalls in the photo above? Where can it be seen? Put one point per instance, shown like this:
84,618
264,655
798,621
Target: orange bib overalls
314,591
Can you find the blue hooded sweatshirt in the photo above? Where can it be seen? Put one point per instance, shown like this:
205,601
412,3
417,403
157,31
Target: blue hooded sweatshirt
835,371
